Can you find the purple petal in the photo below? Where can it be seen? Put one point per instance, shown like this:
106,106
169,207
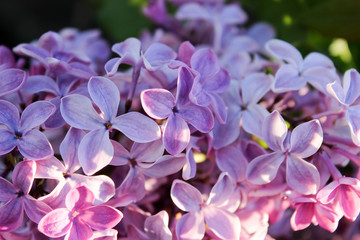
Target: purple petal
218,83
274,130
95,151
232,14
200,117
56,198
137,127
219,108
176,134
198,95
11,80
35,209
186,50
23,175
129,50
121,155
157,103
7,141
79,198
69,149
222,192
55,120
147,153
77,111
189,169
7,191
191,226
32,51
105,95
335,90
112,66
301,175
56,223
302,216
287,79
225,134
283,50
35,114
205,62
11,215
51,41
185,196
50,168
306,139
252,118
192,11
9,114
316,59
320,77
79,231
7,59
184,84
353,119
165,166
351,85
157,55
34,145
222,223
101,217
156,226
263,169
231,159
255,86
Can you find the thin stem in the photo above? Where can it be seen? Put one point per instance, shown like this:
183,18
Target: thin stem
338,140
335,173
135,78
352,157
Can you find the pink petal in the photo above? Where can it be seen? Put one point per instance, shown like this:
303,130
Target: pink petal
176,135
7,191
222,223
101,217
306,139
35,114
190,226
137,127
11,215
349,201
302,216
157,103
185,196
105,95
274,130
95,151
79,198
327,217
301,175
79,231
35,209
263,169
11,80
23,175
328,193
35,145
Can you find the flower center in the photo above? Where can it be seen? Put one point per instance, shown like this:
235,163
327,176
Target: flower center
108,125
18,135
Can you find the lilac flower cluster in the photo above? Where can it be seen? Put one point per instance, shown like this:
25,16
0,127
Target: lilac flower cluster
205,129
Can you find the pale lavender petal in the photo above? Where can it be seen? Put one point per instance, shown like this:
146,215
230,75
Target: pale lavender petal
57,67
306,139
32,51
156,226
176,134
225,134
56,223
50,168
105,95
79,231
157,55
222,223
199,117
79,198
353,119
198,95
35,209
205,62
184,84
231,159
56,198
121,155
11,80
351,84
164,166
316,59
147,153
137,127
129,50
112,66
23,175
302,176
55,120
335,90
95,151
157,103
274,130
222,191
69,148
192,11
101,217
186,50
34,145
7,141
7,191
189,169
11,215
320,77
185,196
232,14
328,193
254,87
218,107
287,79
51,41
77,111
190,226
218,83
283,50
9,114
252,118
263,169
35,114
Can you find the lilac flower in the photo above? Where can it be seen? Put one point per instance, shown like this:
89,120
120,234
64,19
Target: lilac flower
161,104
217,212
19,132
18,199
316,68
77,220
302,142
95,150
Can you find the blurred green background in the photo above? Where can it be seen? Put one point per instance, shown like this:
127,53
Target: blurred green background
327,26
